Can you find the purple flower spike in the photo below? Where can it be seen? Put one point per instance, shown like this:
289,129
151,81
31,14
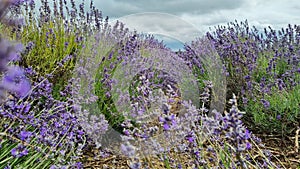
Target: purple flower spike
166,126
278,117
14,152
19,151
265,103
24,135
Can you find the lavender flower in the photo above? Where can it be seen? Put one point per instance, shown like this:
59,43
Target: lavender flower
265,103
24,135
19,151
128,150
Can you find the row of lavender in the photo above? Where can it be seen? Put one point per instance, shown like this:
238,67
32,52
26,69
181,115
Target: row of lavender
38,124
48,126
264,69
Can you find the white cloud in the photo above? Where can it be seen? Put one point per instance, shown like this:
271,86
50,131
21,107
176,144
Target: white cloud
162,24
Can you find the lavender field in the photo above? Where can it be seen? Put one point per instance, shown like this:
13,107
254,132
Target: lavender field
79,92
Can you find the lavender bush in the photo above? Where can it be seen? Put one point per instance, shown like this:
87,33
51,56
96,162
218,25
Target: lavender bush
38,129
260,67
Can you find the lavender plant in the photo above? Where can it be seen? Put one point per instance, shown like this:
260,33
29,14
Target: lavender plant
40,131
37,130
59,30
119,53
259,66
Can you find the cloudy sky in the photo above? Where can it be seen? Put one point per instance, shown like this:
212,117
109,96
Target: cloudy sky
199,14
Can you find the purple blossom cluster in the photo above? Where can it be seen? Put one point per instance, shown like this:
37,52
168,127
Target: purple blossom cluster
42,123
231,127
71,14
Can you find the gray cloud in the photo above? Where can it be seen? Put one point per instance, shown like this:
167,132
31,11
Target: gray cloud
208,13
119,8
203,14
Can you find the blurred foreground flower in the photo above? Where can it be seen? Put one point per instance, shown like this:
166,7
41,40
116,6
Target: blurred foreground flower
4,4
15,81
13,78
